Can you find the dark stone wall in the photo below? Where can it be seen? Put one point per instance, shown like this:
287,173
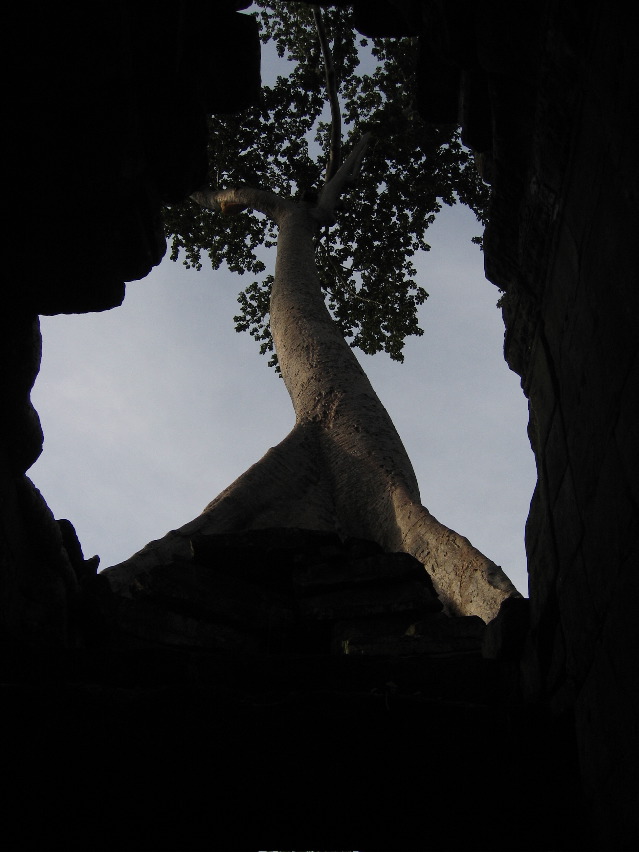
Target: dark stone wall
562,244
281,684
107,122
114,107
183,750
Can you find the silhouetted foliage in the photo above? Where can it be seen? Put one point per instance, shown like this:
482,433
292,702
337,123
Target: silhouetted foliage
410,170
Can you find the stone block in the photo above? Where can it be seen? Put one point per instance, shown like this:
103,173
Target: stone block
436,636
579,620
150,624
620,633
267,557
521,318
582,195
609,754
554,457
536,520
607,362
581,325
539,386
613,229
585,450
475,111
626,431
200,604
369,602
545,648
389,568
610,528
567,522
371,587
542,566
559,299
506,634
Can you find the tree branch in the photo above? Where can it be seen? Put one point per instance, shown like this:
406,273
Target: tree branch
234,200
343,177
335,145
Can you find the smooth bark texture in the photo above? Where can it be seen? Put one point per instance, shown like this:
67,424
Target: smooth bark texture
343,467
335,147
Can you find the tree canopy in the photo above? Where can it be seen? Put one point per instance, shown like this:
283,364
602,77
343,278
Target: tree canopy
283,145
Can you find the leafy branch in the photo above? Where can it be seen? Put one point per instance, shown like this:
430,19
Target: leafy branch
410,171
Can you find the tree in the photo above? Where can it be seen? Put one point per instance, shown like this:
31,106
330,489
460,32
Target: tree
343,466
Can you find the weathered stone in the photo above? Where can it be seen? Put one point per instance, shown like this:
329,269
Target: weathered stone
39,587
126,132
153,624
369,601
437,635
569,264
266,557
285,586
505,635
382,569
179,597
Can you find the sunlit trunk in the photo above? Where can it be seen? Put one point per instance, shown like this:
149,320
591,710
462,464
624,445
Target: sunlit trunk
343,467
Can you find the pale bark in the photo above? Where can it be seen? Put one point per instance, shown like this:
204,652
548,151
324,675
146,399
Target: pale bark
343,467
335,145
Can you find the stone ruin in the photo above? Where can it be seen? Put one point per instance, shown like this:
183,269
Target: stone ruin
284,687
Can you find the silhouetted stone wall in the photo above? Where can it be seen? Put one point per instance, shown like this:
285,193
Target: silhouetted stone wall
569,264
107,123
110,123
281,683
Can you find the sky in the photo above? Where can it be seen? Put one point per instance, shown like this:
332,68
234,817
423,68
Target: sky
151,409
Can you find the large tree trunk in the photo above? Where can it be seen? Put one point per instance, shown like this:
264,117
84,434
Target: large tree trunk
343,466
